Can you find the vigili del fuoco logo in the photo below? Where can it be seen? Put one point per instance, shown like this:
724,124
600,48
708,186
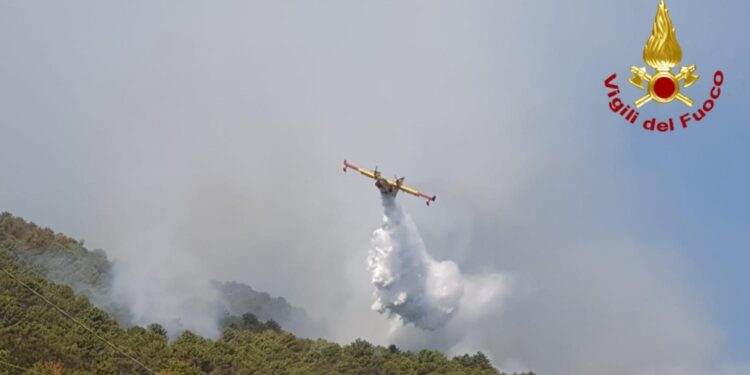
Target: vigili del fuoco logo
662,53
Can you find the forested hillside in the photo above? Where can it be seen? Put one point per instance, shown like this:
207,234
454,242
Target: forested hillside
36,336
66,261
240,299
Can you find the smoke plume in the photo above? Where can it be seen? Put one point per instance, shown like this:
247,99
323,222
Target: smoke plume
178,300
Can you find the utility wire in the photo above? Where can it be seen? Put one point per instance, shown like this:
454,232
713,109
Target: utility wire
25,370
76,321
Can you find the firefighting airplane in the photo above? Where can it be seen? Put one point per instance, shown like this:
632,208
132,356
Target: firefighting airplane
386,186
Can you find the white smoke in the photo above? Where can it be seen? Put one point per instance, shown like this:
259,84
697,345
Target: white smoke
410,283
160,283
176,303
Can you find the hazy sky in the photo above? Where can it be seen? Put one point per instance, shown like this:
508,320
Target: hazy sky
204,140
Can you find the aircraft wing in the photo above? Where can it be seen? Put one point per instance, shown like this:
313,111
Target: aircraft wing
363,171
414,192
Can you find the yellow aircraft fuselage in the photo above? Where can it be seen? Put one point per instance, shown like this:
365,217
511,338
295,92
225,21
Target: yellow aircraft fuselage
390,187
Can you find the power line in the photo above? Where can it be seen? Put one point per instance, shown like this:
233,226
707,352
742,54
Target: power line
25,370
76,321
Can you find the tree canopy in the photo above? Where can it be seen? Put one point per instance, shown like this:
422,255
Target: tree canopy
35,336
